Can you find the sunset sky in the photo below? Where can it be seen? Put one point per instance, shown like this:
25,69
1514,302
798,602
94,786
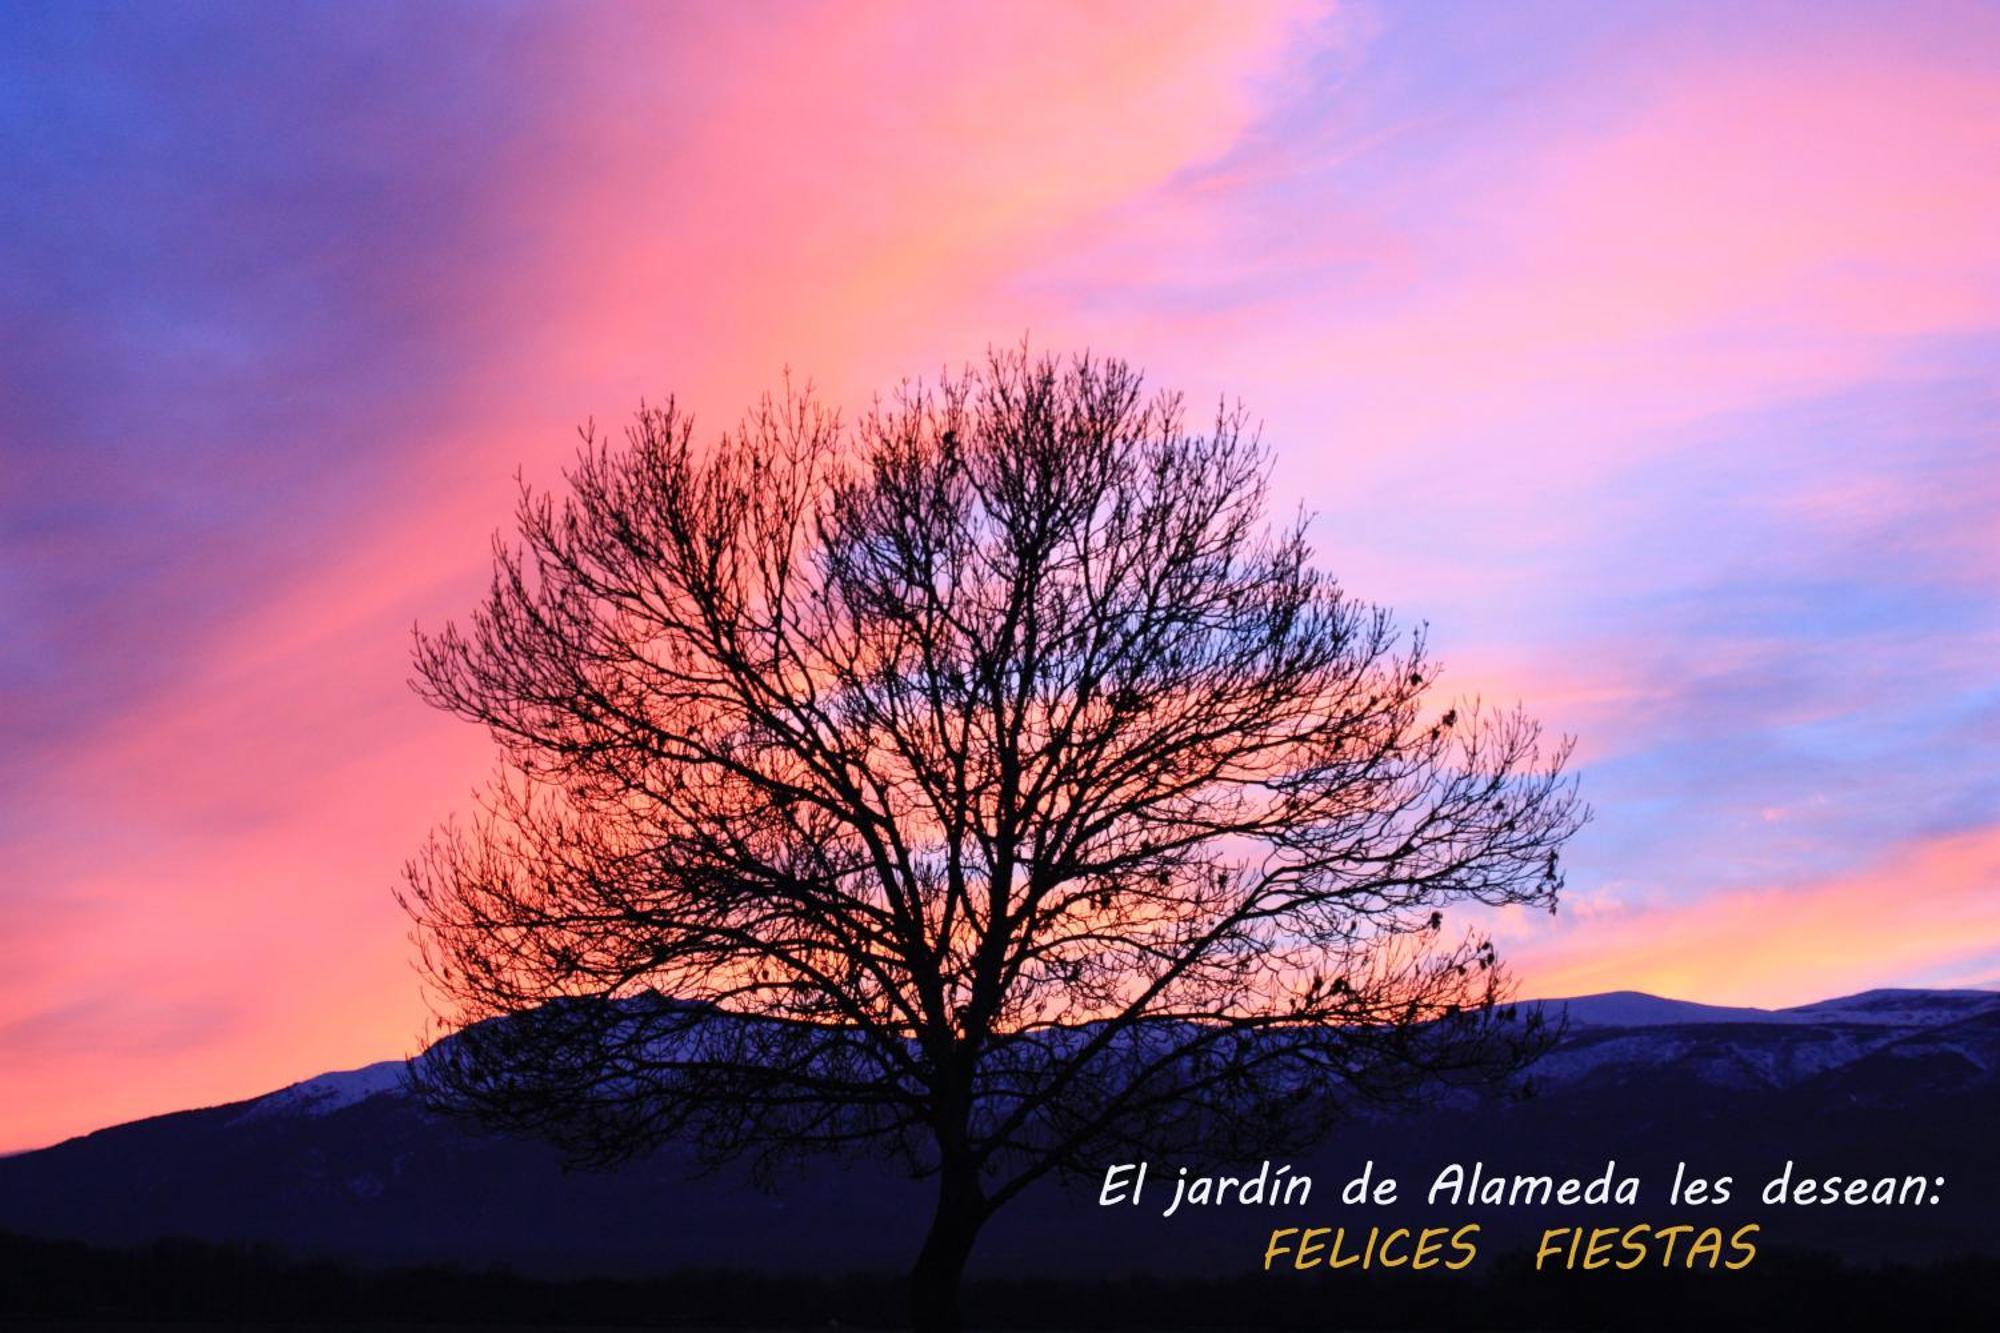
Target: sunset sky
1650,354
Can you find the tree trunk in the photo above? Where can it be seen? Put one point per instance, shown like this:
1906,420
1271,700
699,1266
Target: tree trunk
934,1281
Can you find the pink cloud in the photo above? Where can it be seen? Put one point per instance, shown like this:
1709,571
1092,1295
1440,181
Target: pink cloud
706,198
1690,228
861,193
1930,906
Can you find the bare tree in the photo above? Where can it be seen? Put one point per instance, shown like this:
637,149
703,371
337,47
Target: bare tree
983,783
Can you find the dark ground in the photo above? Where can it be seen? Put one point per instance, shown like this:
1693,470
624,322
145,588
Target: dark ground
190,1286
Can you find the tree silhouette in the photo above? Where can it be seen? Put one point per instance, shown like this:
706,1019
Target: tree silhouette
982,783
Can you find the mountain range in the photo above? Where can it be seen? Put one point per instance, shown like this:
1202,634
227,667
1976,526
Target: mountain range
1888,1083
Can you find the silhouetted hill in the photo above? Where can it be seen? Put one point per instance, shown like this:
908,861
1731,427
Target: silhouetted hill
346,1165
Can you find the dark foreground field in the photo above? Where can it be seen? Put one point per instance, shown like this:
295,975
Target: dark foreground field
188,1286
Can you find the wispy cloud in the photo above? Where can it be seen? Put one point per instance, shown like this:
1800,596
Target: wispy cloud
1651,360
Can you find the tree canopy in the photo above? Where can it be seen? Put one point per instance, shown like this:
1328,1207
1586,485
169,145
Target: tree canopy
984,781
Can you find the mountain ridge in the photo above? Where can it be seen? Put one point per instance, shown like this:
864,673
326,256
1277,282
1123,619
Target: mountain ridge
331,1090
346,1164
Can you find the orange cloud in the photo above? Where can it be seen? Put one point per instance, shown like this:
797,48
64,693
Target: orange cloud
705,196
1933,908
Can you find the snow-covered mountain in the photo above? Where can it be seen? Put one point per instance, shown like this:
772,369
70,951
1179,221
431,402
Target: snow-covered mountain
1889,1082
1758,1048
327,1093
1887,1008
1604,1029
